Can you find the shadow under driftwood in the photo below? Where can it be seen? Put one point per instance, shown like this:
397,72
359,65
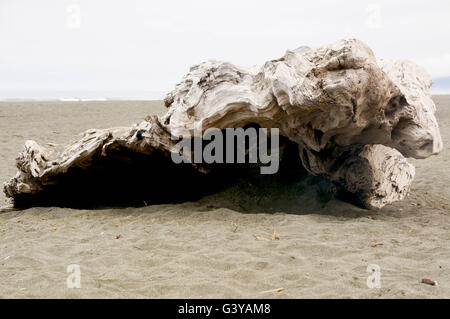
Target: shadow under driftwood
134,179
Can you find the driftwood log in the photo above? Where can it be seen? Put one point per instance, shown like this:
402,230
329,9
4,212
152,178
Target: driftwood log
353,118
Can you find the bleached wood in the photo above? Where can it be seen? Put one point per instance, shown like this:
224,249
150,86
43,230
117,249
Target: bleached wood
354,118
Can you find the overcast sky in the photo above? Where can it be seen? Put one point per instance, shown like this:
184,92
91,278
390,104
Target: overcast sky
149,45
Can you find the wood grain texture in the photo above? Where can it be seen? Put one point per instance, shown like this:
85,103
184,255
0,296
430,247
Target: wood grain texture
355,120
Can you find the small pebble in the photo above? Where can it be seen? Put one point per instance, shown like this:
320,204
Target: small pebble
428,282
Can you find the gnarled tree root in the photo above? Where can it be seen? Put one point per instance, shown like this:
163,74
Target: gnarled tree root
353,119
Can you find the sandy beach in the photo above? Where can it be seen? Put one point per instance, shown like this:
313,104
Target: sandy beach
243,242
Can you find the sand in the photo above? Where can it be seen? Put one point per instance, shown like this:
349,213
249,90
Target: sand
210,248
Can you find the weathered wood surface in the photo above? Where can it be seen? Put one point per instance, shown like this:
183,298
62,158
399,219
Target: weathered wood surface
355,120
